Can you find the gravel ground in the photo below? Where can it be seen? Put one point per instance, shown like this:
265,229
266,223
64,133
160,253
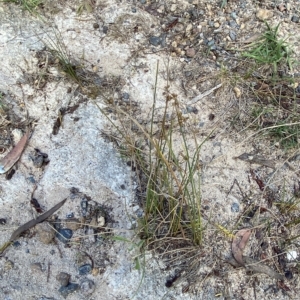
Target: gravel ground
116,46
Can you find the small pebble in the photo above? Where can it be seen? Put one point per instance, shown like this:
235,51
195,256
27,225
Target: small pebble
190,52
125,96
70,215
63,278
288,275
85,269
95,25
264,14
8,265
45,232
2,221
105,29
188,73
232,35
233,15
64,235
36,267
155,40
210,43
143,1
87,287
235,207
70,288
16,244
295,19
237,92
73,223
133,9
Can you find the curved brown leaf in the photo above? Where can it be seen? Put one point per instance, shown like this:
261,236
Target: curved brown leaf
13,156
239,243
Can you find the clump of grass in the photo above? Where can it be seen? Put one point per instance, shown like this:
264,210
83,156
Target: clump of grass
271,50
29,5
58,49
170,179
85,5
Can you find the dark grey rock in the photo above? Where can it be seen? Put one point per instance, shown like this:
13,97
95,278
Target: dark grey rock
105,29
2,221
187,73
155,40
233,15
70,215
125,96
133,9
232,35
63,278
295,19
84,206
235,207
143,1
210,43
64,234
70,288
87,287
95,25
85,269
233,24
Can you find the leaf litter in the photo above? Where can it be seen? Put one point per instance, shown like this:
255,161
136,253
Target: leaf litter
238,245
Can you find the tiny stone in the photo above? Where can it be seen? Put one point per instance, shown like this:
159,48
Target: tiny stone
233,24
155,40
133,9
235,207
95,25
210,43
70,215
87,287
101,221
70,288
216,25
264,14
188,73
63,278
8,265
85,269
36,267
125,96
233,15
288,275
281,7
45,232
295,19
16,244
105,29
173,7
143,1
189,27
232,35
73,223
201,124
190,52
2,221
64,234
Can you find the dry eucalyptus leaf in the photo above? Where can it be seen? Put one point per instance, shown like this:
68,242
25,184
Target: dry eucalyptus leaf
239,243
13,156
